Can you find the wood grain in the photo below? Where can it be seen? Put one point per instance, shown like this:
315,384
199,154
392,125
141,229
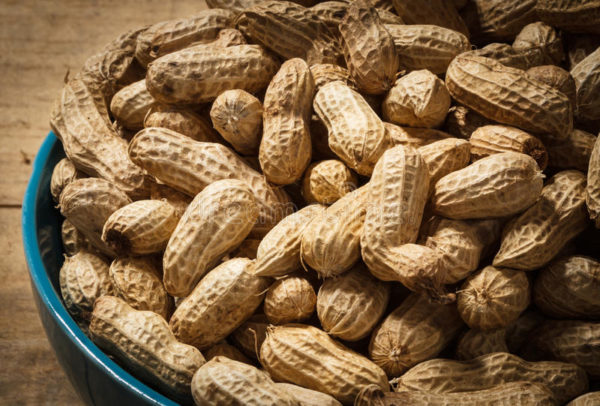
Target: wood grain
39,42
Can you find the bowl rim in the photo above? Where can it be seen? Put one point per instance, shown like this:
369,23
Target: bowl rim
41,281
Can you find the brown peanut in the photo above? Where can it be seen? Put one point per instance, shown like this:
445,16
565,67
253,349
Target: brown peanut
130,105
475,343
182,121
290,299
327,181
64,173
587,81
571,15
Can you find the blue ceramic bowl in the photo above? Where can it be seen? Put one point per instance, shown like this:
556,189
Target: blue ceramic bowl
97,379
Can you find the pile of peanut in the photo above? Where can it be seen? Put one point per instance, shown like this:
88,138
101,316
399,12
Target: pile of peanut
273,203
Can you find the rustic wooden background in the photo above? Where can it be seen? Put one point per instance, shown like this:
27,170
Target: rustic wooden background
40,41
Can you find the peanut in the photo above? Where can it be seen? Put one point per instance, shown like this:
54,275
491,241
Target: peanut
574,153
518,332
541,37
461,122
251,334
290,299
571,15
592,196
130,105
73,240
443,157
307,397
222,349
179,201
556,77
218,219
589,399
477,342
509,56
434,12
324,73
587,81
327,181
64,173
556,218
182,121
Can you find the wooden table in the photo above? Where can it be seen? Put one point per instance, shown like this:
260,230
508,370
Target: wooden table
39,42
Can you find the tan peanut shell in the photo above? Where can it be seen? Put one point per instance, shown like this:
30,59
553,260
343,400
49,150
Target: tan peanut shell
279,251
324,73
566,381
556,218
587,81
350,305
220,303
331,243
223,381
493,298
542,37
498,20
508,96
462,121
509,56
592,195
415,331
419,99
571,15
431,47
63,173
434,12
172,35
412,137
237,116
142,341
493,139
327,181
198,164
179,201
556,77
285,147
568,341
368,48
142,227
306,356
307,397
514,393
222,349
460,243
589,399
130,105
199,74
568,288
475,343
251,334
83,278
137,281
218,219
331,12
289,30
443,157
499,185
290,299
73,240
356,133
574,153
182,121
87,203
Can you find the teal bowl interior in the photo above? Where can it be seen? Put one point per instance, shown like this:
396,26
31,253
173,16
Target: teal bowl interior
97,379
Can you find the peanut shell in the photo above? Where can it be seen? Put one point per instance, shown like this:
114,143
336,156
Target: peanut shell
327,181
290,299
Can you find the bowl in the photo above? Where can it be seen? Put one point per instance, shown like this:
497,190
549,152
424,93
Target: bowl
97,379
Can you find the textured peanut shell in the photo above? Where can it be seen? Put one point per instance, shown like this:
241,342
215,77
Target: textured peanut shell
587,81
285,147
508,96
514,393
189,166
592,196
431,47
434,12
289,30
368,48
218,219
356,133
556,77
324,73
83,278
237,6
475,343
87,203
306,356
331,12
279,251
555,219
142,227
199,74
542,37
443,157
499,185
419,99
137,281
571,15
142,341
349,305
179,201
237,116
492,139
566,381
327,181
412,137
220,303
568,288
589,399
222,381
331,244
574,153
461,121
63,173
172,35
222,349
130,105
290,299
251,334
415,331
183,121
307,397
72,239
568,341
493,298
509,56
